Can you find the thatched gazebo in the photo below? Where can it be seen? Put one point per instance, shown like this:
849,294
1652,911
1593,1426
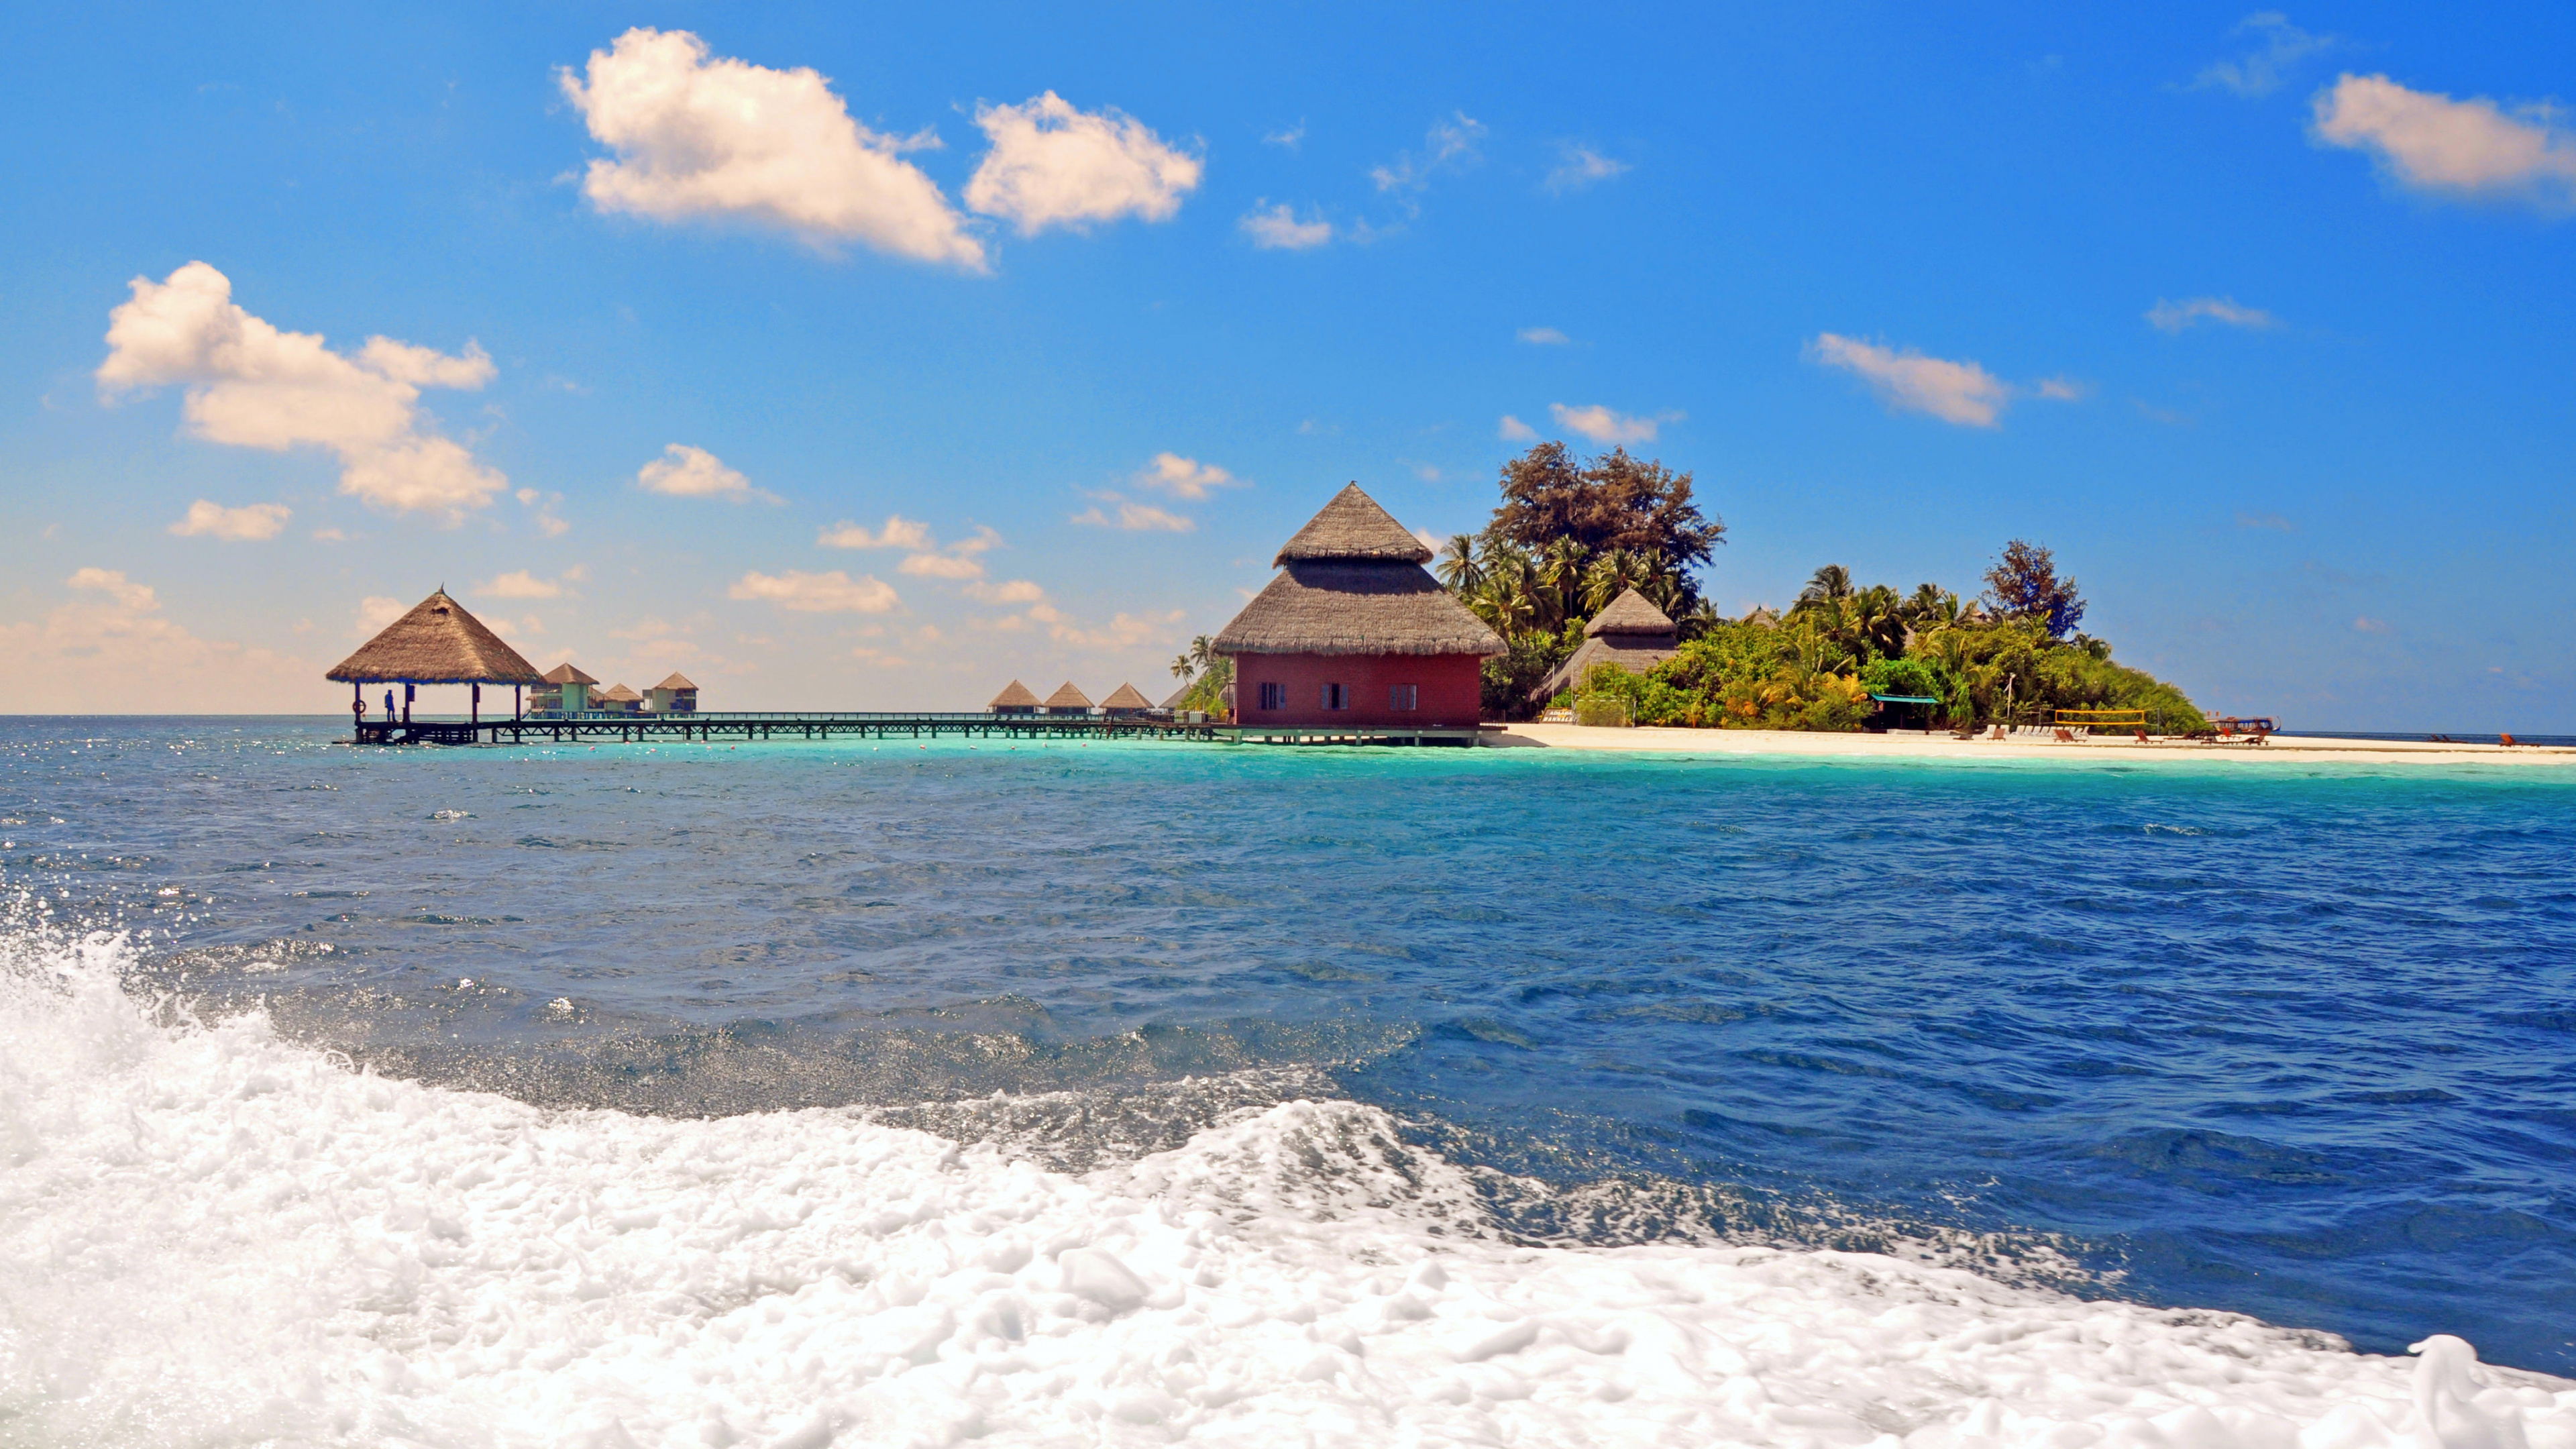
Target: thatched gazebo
1067,700
1631,633
1354,631
1017,699
436,643
1126,700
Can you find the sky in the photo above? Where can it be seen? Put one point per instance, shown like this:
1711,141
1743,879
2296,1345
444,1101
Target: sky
869,358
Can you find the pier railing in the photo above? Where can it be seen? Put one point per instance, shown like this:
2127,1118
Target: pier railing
825,725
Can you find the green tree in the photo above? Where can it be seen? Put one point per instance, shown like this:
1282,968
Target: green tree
1610,501
2024,584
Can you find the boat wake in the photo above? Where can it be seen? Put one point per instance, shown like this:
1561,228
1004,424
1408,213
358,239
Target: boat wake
212,1235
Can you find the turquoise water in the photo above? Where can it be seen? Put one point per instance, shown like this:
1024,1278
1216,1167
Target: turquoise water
2289,1040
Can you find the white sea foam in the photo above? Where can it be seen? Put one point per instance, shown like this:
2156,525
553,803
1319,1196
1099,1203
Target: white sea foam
212,1236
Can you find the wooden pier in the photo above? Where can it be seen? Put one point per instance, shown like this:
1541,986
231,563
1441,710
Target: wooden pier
638,728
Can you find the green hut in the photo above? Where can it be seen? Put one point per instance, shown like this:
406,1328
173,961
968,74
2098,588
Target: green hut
564,690
436,643
675,695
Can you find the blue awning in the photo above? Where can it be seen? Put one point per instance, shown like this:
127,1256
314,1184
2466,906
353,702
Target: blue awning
1904,699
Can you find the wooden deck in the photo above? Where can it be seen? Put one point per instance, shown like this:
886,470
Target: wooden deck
637,728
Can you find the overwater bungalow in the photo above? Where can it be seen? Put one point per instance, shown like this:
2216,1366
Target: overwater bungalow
437,642
563,689
1354,631
1017,699
1125,702
1067,700
1631,633
675,695
617,699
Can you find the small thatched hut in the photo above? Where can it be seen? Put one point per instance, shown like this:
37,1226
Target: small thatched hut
1017,699
1631,633
1124,701
1067,700
564,690
617,699
436,643
675,695
1354,631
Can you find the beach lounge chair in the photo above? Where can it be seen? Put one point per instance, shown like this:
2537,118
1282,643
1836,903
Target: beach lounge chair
2142,737
2065,738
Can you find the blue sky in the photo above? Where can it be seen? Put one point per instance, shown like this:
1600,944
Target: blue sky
868,359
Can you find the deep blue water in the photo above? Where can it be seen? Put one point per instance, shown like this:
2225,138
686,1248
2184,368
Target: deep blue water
2296,1041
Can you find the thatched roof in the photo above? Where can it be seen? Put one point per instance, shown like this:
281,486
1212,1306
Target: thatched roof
1067,697
1353,526
620,694
1178,695
1127,696
676,681
1629,614
565,673
436,643
1762,614
1017,696
1354,607
1632,652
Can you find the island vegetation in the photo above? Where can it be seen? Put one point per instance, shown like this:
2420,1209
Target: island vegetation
1570,534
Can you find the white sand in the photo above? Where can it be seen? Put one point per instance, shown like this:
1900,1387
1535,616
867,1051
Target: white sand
2278,750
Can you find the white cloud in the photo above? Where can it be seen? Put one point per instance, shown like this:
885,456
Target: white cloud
1450,145
2368,625
252,386
941,566
826,593
548,524
1184,477
1603,426
109,647
2062,389
1513,430
1015,591
2258,72
1289,137
1052,165
522,585
375,611
1278,229
1542,337
250,523
686,472
1955,392
1135,518
696,136
1581,168
2459,149
899,532
1124,631
2176,316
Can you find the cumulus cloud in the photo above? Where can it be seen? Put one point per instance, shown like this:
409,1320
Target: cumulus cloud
2061,389
1513,430
924,557
1608,428
1276,228
375,611
1542,337
253,386
1955,392
696,136
1289,137
686,472
109,646
1450,145
2259,72
899,532
941,566
1014,591
2176,316
1184,477
1134,517
248,524
522,584
824,593
1052,165
1581,167
2461,150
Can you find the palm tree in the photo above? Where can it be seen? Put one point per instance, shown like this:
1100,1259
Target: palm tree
1199,657
1829,585
1460,566
1877,617
1931,605
1561,566
1505,602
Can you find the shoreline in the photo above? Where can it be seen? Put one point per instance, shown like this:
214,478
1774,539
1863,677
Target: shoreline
2303,750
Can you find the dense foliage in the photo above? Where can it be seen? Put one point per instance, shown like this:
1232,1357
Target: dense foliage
1208,675
1570,536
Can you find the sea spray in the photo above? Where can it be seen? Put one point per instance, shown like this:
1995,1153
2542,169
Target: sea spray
209,1235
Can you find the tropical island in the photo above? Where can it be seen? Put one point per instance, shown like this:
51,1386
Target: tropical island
1570,536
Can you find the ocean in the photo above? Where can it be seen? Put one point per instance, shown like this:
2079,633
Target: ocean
881,1092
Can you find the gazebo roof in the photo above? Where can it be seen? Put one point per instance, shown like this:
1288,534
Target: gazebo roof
1067,697
566,673
1630,614
620,694
1353,526
1017,696
436,643
1127,696
1338,607
676,681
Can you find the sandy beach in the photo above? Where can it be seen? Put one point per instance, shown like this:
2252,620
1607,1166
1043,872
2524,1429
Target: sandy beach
2277,750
